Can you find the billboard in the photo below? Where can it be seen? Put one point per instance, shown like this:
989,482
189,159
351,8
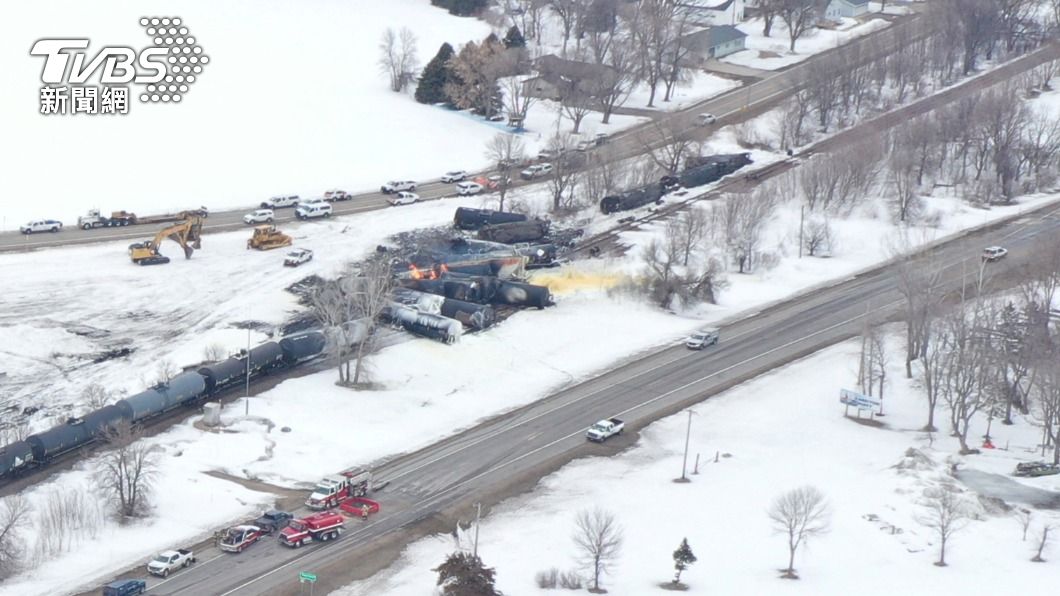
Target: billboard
857,400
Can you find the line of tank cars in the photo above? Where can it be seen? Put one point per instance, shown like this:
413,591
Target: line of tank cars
186,389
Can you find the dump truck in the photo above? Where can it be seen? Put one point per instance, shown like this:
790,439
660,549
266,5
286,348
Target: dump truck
267,237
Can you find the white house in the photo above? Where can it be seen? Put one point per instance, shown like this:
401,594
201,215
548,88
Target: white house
846,8
718,12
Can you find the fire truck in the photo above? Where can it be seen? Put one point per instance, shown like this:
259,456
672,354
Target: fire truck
319,526
332,490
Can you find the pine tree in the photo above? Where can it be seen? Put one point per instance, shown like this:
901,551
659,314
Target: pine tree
683,557
436,74
463,574
514,38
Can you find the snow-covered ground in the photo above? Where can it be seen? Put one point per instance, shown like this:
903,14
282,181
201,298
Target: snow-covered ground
773,52
702,86
292,102
774,434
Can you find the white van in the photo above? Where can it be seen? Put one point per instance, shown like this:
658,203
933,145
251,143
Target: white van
313,210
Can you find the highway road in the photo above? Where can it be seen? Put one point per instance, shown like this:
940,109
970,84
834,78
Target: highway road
731,107
505,455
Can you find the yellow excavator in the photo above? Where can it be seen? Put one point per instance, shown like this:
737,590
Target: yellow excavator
186,233
267,237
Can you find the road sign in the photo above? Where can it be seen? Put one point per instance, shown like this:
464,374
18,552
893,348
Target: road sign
306,576
857,400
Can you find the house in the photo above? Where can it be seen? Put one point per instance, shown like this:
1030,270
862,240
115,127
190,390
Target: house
558,78
717,12
715,42
846,8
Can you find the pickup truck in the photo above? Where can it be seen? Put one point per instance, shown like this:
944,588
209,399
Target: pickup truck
281,201
41,225
238,538
604,429
270,521
170,560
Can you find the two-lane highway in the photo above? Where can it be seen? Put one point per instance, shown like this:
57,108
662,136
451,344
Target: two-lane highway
505,451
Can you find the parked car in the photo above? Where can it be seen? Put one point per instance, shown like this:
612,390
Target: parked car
403,198
994,253
337,195
270,521
705,119
534,171
313,210
125,587
454,176
1036,468
295,258
468,188
605,429
41,225
550,154
397,186
171,560
586,144
259,216
279,202
702,338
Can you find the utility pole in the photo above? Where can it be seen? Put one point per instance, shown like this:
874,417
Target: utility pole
802,218
246,400
684,462
478,516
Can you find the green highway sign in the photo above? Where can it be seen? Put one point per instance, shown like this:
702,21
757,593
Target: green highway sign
307,577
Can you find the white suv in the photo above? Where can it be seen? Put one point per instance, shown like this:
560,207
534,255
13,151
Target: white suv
278,202
397,185
313,210
259,216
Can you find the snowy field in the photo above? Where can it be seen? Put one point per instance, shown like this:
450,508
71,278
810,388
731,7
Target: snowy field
772,53
702,86
276,111
775,433
537,351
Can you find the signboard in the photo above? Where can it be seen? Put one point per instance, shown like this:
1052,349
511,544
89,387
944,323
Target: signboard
857,400
305,576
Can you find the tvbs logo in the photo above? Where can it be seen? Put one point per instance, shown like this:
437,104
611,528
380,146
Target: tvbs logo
162,72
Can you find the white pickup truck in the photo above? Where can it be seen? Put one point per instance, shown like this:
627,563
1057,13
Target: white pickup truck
170,560
604,429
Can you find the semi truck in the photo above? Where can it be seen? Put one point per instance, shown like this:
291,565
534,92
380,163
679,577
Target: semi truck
94,219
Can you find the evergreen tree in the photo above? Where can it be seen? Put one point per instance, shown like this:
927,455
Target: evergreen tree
463,574
514,38
683,557
436,74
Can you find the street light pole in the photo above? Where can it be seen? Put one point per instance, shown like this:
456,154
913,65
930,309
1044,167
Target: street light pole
478,516
246,400
684,462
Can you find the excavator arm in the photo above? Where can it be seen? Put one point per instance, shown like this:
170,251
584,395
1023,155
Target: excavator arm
186,233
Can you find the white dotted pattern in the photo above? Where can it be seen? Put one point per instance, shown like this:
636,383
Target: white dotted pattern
185,58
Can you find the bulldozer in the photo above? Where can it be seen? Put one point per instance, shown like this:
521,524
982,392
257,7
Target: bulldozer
267,237
186,233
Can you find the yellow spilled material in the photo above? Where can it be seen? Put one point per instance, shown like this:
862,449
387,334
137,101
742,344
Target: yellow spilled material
568,280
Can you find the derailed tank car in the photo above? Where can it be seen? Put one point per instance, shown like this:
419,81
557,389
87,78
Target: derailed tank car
221,374
513,232
181,389
714,167
428,325
467,218
474,316
631,199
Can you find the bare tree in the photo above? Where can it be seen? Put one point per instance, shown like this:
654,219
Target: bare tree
598,537
689,230
740,221
946,512
919,282
126,471
505,151
652,30
799,514
932,365
1024,517
567,11
333,308
565,172
612,89
1047,392
905,195
768,10
368,288
667,144
95,396
213,352
517,101
818,238
14,515
1043,541
165,370
799,16
397,57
